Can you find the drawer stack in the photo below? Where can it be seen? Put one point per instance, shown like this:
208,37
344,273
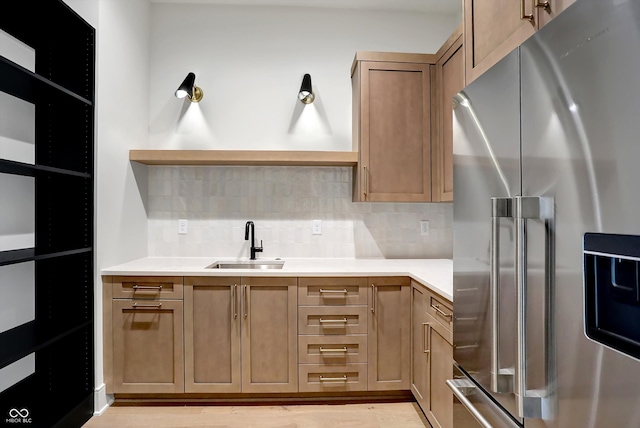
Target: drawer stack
332,334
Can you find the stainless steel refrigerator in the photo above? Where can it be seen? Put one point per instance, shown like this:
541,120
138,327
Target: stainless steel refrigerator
546,225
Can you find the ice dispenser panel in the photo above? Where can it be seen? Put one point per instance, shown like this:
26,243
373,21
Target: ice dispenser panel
612,291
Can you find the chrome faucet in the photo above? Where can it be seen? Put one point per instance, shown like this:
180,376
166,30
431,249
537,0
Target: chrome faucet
254,249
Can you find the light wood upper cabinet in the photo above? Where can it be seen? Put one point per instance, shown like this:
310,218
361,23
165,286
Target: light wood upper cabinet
392,118
492,29
449,81
269,335
389,334
212,334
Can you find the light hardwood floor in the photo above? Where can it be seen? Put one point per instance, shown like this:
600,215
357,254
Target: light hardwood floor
386,415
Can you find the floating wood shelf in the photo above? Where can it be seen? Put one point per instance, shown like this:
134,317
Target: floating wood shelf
243,157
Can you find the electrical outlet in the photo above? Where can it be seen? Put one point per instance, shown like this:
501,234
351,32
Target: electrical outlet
316,227
182,226
424,227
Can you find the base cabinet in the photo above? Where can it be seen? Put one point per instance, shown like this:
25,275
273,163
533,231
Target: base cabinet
143,335
432,355
241,335
389,334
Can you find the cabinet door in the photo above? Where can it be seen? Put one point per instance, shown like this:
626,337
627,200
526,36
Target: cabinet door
419,350
389,334
147,346
492,29
394,132
440,408
269,335
449,81
212,334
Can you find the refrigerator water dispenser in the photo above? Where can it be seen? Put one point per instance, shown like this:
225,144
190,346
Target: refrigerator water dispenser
612,291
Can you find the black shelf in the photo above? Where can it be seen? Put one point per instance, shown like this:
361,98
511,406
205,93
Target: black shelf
31,170
12,257
29,86
31,337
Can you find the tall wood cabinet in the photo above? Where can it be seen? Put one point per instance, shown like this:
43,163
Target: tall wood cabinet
241,334
493,29
52,132
389,333
392,118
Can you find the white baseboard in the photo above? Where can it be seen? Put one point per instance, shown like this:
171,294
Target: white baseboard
101,400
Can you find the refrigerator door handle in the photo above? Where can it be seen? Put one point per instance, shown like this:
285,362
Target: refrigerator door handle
535,404
462,388
501,378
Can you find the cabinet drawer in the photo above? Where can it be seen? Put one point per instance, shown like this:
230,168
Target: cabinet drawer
441,310
329,378
332,349
147,287
332,291
322,320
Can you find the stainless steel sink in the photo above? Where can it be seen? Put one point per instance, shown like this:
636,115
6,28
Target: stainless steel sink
247,264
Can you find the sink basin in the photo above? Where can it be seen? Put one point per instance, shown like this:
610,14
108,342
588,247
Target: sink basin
247,264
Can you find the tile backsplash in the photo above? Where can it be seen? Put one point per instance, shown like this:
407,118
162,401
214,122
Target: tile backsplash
217,201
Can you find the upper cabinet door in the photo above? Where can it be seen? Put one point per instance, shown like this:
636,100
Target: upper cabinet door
492,29
449,81
392,131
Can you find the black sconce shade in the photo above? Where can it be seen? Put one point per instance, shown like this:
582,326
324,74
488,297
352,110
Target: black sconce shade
306,94
189,89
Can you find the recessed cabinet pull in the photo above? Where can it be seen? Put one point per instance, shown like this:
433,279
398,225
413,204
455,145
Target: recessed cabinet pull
147,287
323,291
139,306
441,312
342,321
333,379
344,349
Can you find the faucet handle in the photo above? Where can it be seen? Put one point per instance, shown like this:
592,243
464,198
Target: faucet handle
259,249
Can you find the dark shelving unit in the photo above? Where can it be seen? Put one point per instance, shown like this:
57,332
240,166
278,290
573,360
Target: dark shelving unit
60,391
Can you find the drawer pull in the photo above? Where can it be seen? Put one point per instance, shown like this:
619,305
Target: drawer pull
441,312
147,287
322,291
333,379
334,349
139,306
342,321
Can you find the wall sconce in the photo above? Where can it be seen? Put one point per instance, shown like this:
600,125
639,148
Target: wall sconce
306,92
189,89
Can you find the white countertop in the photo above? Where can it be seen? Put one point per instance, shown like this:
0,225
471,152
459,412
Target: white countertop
436,274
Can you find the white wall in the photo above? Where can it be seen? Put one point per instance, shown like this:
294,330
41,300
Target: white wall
122,122
249,60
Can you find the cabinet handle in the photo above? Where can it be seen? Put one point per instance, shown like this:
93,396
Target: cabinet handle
373,298
322,291
139,306
441,312
366,182
426,348
342,321
234,298
333,379
334,349
524,15
147,287
245,298
545,4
